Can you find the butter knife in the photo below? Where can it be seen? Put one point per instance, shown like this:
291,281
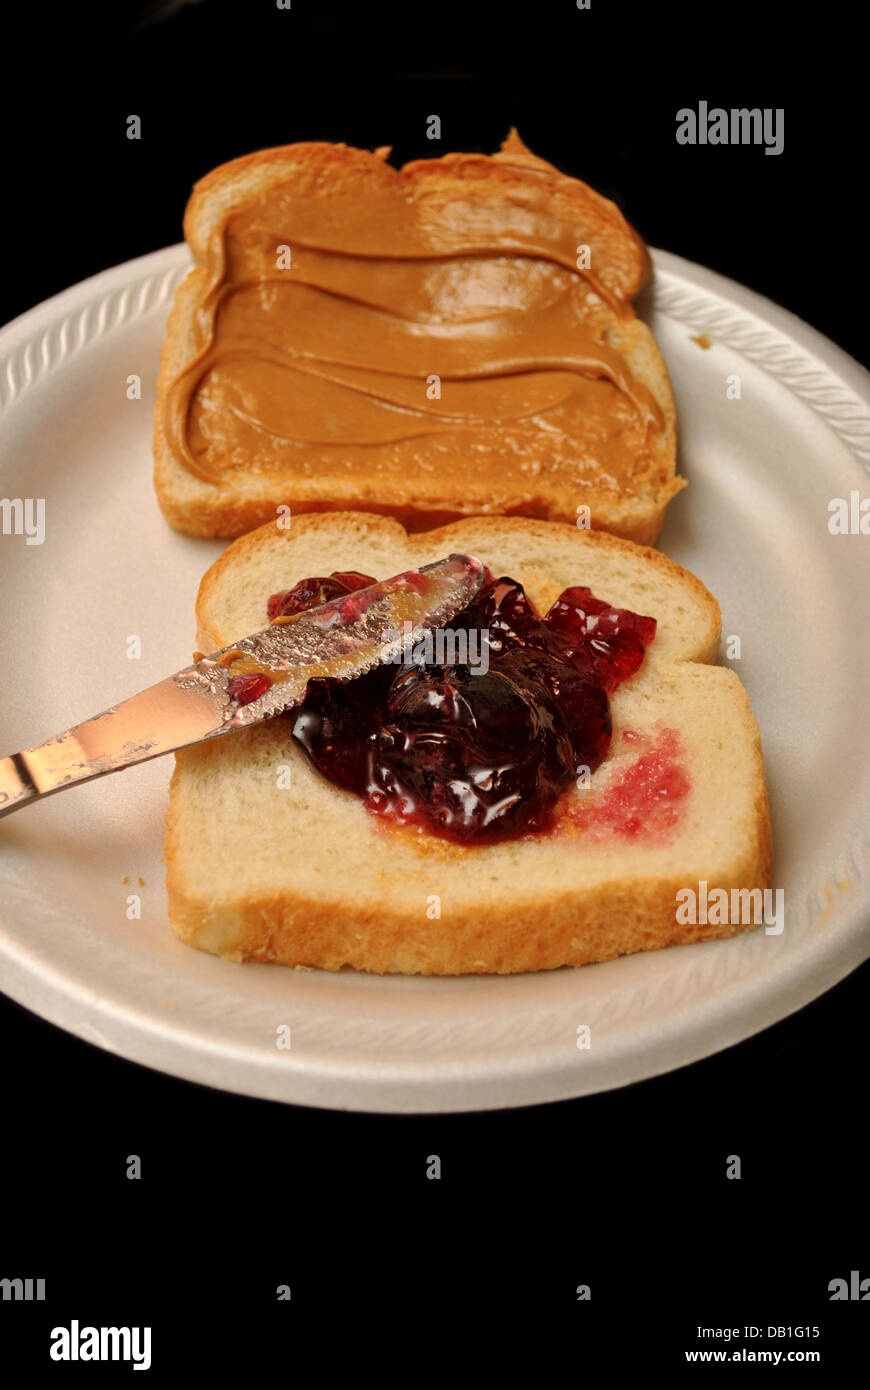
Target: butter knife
253,679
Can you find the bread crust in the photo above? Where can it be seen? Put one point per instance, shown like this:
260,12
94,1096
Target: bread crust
240,502
554,902
560,929
455,536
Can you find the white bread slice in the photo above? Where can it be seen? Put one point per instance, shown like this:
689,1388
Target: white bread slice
243,498
306,876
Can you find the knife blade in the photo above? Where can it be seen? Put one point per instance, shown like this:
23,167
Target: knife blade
341,639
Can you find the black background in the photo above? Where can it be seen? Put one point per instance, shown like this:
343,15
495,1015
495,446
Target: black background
625,1191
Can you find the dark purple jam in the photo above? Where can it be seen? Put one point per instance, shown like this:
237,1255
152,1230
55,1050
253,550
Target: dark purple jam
473,754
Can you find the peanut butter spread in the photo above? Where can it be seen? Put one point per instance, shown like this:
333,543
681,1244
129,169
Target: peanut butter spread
413,324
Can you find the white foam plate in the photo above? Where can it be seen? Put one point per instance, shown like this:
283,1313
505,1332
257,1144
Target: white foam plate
753,525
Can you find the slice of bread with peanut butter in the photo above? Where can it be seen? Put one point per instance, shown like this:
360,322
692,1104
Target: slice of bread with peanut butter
452,338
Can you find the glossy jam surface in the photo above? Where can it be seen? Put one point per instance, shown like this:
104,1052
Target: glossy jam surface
470,753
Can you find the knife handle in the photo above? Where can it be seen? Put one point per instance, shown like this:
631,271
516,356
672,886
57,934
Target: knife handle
16,787
37,772
156,721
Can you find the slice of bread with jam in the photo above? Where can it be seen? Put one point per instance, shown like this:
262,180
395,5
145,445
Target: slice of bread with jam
270,860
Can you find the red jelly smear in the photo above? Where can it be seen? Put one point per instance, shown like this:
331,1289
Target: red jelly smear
466,753
244,689
646,797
